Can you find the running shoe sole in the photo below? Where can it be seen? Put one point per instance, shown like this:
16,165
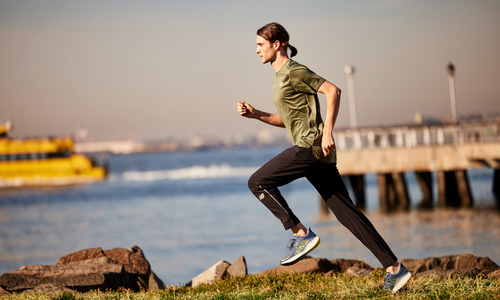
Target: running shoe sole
404,279
310,247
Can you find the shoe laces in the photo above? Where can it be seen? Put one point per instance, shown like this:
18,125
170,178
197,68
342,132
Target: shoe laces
291,242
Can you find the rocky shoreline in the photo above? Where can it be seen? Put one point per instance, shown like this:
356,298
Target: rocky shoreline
120,268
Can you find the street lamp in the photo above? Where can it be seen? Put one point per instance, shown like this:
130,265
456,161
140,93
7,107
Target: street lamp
349,70
453,100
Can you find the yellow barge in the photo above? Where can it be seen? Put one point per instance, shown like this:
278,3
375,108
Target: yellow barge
43,162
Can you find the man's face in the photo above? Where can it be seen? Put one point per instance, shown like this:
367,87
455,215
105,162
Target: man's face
265,50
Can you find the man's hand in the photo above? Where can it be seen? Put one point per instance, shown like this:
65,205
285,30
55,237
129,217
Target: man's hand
246,110
328,144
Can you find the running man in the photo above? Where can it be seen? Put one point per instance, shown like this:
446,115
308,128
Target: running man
312,156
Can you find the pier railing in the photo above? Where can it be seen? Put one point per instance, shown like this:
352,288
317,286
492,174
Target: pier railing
412,136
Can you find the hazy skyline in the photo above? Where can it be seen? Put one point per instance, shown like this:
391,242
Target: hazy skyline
161,69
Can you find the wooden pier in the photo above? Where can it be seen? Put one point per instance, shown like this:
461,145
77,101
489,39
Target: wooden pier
449,151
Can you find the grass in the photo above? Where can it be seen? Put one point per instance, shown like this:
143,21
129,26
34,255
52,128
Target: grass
303,286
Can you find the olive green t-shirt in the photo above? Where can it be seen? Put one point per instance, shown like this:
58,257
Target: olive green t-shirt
295,94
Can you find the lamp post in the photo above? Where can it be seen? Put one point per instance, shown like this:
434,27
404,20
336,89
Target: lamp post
453,100
349,70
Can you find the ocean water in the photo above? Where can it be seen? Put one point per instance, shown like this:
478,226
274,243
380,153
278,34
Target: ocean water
189,210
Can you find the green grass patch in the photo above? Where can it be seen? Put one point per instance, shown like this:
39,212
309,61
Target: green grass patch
303,286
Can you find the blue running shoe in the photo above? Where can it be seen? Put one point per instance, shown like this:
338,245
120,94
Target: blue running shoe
394,282
300,246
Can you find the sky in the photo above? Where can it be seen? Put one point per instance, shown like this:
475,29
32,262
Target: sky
152,70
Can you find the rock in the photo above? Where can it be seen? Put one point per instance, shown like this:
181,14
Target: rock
136,266
134,261
135,249
330,274
81,255
355,271
351,267
155,283
307,265
3,292
49,288
461,265
215,272
221,270
344,264
88,269
451,262
494,274
438,274
98,273
468,261
238,268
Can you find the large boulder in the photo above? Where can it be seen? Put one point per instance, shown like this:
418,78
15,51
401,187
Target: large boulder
461,264
99,273
86,270
134,261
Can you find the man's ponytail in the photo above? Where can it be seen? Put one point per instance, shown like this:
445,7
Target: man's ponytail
293,50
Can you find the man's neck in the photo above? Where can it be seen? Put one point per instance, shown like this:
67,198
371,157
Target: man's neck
279,61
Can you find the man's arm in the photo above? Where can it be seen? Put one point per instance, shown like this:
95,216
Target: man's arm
332,94
246,110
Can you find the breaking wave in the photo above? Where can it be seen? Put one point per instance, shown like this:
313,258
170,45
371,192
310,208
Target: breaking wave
195,172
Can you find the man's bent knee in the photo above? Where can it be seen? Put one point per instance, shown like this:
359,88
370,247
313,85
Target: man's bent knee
254,183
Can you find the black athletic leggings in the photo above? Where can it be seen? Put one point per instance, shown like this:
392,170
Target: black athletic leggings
297,162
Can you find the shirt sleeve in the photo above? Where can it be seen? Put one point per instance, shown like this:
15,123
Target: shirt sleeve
304,80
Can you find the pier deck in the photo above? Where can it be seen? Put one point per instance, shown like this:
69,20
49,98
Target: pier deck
419,158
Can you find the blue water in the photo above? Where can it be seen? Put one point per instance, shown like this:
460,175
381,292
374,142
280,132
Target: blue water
189,210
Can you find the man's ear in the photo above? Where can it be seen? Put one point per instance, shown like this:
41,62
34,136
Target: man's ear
276,45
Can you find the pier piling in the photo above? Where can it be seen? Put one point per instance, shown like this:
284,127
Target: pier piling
424,180
393,193
453,189
358,187
496,185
